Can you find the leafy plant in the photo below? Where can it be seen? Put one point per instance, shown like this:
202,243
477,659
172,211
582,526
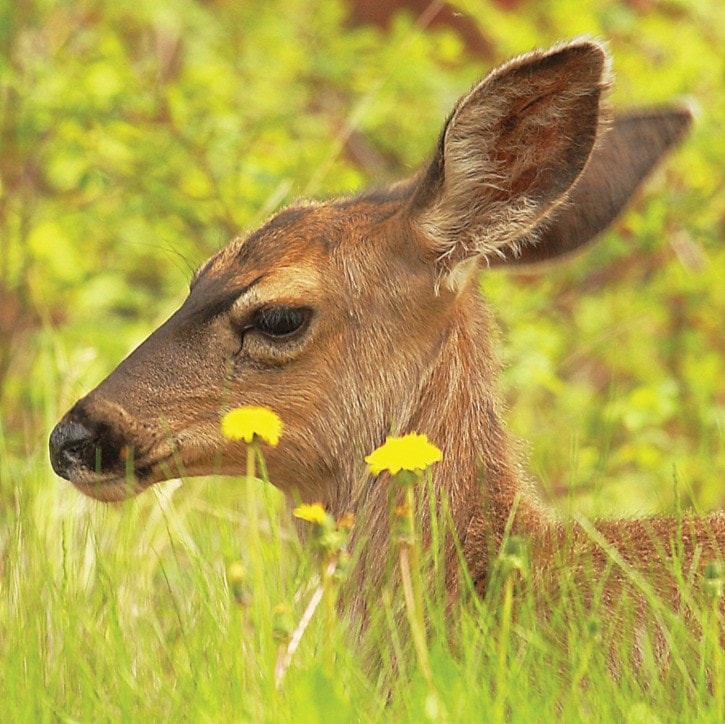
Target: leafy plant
137,138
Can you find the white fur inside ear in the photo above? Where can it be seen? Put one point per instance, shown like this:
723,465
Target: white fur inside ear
510,153
458,277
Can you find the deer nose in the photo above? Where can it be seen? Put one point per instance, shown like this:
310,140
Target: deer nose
81,445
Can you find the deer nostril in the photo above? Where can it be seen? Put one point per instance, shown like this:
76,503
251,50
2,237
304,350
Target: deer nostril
75,445
71,444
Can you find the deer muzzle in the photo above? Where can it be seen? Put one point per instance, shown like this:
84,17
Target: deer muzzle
95,448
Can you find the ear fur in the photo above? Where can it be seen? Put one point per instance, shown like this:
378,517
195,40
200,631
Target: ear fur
510,152
621,161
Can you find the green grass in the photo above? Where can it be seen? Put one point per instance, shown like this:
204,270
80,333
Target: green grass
121,168
124,613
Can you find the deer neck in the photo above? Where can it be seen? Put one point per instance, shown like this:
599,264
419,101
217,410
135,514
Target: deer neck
479,476
461,411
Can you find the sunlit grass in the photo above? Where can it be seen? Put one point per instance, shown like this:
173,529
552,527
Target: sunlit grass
134,612
129,612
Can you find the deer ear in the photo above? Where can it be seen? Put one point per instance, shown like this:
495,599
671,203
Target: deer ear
621,161
509,153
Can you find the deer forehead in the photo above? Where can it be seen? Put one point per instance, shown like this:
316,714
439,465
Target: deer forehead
287,256
309,252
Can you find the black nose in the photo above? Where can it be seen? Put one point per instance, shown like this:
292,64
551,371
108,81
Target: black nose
77,444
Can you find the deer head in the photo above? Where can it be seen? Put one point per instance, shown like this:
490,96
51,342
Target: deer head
361,316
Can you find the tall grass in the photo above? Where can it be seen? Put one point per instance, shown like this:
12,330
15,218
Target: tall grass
129,612
126,613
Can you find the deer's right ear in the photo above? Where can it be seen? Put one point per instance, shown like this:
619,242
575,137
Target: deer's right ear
509,153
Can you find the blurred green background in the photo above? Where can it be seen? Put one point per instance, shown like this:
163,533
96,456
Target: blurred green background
136,138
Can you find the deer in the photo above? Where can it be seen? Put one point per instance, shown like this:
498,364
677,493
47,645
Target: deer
362,316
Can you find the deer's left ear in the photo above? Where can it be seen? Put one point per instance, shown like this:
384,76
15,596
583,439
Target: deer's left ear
509,153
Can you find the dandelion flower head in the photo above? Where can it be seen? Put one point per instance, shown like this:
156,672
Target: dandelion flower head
244,423
409,452
312,513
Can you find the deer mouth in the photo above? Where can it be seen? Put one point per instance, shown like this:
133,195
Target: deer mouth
111,490
112,487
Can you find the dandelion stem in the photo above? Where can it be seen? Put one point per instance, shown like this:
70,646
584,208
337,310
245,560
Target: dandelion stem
254,547
410,567
251,494
414,616
415,558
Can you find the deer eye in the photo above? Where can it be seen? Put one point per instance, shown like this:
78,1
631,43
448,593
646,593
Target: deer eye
280,322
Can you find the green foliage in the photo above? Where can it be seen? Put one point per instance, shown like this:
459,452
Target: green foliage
136,139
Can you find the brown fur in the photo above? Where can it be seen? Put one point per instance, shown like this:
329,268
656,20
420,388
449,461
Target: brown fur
399,338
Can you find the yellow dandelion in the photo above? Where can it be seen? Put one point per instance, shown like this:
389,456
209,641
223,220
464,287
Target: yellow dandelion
244,423
313,513
409,452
